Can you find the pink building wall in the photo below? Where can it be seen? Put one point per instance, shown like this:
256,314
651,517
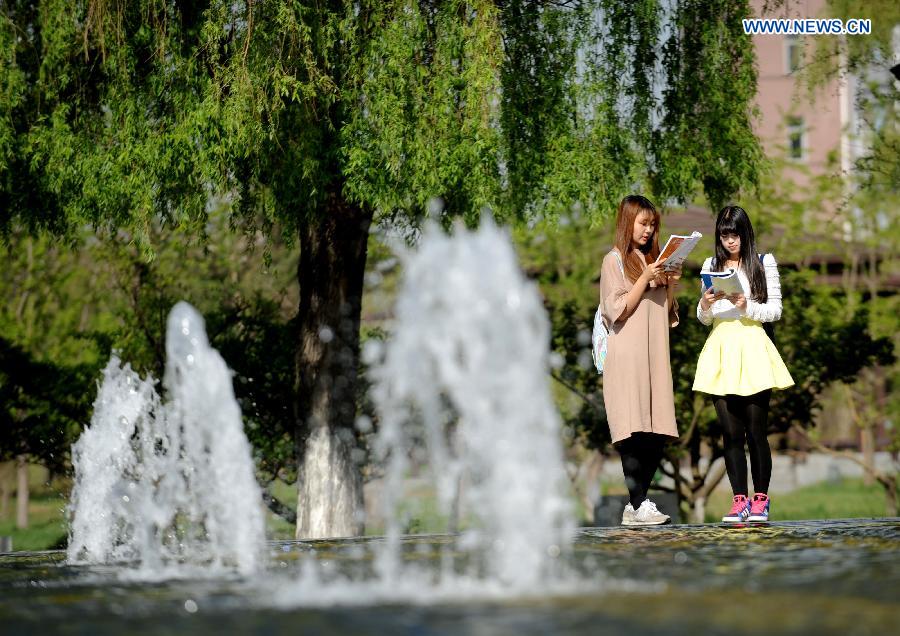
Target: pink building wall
825,118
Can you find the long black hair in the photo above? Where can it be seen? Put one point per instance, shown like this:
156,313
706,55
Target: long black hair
733,219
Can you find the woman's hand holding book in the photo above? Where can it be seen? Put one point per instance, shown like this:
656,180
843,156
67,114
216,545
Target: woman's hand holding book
709,297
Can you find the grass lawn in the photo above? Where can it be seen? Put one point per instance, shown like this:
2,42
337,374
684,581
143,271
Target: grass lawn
46,528
845,499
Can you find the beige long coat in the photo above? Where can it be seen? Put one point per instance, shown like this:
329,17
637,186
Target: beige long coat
637,378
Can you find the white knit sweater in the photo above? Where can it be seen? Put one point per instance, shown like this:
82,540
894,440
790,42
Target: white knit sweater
724,309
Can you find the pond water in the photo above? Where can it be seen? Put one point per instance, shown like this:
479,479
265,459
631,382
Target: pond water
835,577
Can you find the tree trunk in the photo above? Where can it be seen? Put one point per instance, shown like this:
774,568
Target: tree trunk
678,480
7,470
22,493
867,445
698,513
330,271
889,483
714,474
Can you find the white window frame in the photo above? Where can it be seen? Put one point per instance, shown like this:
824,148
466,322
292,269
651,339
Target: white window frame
796,126
792,43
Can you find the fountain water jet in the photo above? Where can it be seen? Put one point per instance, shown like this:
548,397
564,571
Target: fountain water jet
462,395
168,485
463,383
461,386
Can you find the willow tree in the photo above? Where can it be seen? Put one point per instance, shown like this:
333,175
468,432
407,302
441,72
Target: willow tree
320,119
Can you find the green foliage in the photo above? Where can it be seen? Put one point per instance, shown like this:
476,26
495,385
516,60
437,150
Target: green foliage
867,58
43,406
121,113
821,343
48,352
538,100
830,57
246,306
421,99
69,308
563,258
845,220
257,343
793,201
706,135
581,404
53,293
693,411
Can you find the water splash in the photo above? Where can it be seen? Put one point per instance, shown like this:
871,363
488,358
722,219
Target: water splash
463,390
168,486
463,399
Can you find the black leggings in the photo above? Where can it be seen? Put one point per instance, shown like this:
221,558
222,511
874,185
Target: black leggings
746,417
641,454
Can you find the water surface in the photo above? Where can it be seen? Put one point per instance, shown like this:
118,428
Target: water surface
831,577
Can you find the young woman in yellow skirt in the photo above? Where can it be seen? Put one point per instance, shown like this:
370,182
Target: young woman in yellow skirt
739,365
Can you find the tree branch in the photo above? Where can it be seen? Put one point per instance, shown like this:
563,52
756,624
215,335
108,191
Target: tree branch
592,403
883,479
711,479
686,437
283,511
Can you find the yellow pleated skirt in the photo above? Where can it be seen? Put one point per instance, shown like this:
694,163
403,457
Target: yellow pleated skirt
740,359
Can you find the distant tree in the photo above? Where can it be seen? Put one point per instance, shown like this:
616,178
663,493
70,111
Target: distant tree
868,59
48,355
42,407
68,307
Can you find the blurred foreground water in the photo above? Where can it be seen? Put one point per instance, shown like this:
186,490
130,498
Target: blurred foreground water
834,577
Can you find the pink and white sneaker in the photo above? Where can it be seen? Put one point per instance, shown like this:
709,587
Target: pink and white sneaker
740,510
759,507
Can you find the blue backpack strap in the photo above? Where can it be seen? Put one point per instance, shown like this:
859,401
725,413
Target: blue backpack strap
761,262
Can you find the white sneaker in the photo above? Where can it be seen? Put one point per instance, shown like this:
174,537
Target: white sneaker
647,515
628,515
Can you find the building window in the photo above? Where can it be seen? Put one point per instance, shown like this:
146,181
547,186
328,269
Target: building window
796,137
793,53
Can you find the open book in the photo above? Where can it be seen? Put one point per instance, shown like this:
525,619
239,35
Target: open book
726,282
677,249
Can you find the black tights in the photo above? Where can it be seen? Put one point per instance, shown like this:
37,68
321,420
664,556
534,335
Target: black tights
746,417
641,454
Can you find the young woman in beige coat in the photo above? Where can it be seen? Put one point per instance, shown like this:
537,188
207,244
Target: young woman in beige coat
638,305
